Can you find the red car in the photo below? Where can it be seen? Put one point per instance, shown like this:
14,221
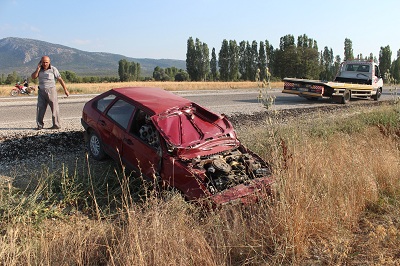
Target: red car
183,145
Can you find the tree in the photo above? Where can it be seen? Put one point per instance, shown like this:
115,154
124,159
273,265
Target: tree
223,61
327,64
191,59
123,66
262,61
233,61
12,78
167,74
254,60
336,65
242,60
133,71
197,60
385,59
128,71
70,76
396,67
202,60
307,51
251,63
287,59
182,76
158,73
270,53
213,65
371,57
171,72
348,50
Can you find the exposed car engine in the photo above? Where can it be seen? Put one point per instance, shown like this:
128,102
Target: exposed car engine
230,169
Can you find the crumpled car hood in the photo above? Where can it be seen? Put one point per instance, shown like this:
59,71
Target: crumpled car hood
193,130
208,148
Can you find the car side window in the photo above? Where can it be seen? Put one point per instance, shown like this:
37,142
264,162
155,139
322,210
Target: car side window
143,127
121,112
103,103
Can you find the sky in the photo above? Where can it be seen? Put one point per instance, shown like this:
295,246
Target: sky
160,29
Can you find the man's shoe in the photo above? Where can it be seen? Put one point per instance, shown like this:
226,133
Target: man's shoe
55,127
39,128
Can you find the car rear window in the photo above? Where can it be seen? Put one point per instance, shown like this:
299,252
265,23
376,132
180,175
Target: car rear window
103,103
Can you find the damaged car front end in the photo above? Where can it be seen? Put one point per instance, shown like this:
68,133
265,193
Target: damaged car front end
206,146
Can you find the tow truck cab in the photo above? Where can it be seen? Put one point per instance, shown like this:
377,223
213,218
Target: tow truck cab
360,72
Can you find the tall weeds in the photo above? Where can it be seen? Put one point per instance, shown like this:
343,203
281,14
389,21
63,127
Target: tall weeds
325,185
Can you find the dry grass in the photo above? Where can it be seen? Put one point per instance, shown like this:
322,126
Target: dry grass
79,88
337,203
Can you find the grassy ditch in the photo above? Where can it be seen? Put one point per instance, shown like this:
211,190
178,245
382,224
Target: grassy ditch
337,202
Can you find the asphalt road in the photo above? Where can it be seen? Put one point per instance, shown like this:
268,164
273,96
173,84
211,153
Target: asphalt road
22,110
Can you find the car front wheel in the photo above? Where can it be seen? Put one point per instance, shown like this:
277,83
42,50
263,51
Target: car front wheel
95,146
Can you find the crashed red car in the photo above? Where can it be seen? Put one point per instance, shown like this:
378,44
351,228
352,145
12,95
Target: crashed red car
183,145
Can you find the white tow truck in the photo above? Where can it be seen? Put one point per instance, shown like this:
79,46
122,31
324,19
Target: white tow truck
355,79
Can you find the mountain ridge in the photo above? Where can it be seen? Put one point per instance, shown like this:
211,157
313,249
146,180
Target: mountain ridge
22,56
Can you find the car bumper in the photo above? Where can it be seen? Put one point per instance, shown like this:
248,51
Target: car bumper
244,194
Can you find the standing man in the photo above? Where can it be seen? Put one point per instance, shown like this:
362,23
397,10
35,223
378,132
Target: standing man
47,92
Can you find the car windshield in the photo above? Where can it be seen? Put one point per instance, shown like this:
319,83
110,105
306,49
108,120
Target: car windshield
191,126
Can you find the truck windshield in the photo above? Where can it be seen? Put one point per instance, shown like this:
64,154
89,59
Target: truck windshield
357,67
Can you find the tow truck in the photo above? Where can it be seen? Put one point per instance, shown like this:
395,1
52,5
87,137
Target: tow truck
355,79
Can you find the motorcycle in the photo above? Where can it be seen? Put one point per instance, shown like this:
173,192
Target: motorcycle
20,89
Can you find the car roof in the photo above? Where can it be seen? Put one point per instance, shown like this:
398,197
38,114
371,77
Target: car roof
155,99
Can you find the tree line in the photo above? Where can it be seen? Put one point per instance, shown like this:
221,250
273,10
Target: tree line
68,76
244,61
127,71
299,58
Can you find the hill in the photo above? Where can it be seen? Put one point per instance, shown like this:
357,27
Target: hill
22,55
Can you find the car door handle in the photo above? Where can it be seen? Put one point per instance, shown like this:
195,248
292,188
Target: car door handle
128,141
102,122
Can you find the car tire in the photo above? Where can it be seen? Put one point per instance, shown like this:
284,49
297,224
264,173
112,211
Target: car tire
95,146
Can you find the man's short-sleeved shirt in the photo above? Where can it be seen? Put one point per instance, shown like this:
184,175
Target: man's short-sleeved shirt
47,78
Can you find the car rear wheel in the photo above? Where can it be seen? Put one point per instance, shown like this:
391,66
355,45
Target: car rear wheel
95,146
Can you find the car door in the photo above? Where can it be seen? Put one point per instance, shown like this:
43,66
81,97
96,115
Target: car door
141,147
113,126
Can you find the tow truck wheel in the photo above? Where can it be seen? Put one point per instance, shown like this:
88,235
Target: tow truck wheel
377,95
346,97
